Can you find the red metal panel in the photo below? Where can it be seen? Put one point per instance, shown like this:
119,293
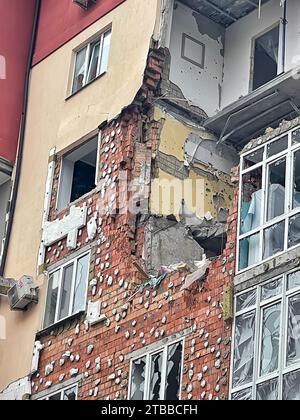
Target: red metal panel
16,20
61,20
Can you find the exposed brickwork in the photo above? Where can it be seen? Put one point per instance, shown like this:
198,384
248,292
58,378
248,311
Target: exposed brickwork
134,312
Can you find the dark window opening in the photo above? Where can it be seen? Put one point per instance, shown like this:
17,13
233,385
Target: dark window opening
266,50
78,175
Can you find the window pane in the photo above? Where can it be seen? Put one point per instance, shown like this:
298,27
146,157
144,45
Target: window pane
270,339
274,240
246,300
266,58
79,72
52,299
271,290
244,349
245,395
296,190
291,386
251,201
249,251
253,158
276,189
174,372
293,280
293,345
56,397
296,136
278,146
155,377
138,379
66,292
70,394
105,53
80,284
93,65
268,391
294,231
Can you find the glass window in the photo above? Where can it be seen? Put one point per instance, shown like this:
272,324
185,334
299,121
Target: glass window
70,282
157,376
266,342
91,61
67,394
270,201
78,173
266,52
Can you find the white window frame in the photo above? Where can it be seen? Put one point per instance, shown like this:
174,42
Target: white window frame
283,368
63,197
88,59
58,303
280,68
289,211
148,355
61,392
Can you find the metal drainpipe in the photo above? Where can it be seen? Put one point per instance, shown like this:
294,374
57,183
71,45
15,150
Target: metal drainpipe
284,24
17,171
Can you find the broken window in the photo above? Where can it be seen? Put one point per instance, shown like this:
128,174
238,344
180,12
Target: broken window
157,376
67,394
270,200
67,288
91,61
266,51
78,173
267,341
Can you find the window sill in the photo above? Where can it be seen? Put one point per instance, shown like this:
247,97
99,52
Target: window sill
52,328
77,202
85,86
267,270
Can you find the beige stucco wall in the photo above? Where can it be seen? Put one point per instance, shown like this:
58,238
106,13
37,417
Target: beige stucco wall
54,121
198,191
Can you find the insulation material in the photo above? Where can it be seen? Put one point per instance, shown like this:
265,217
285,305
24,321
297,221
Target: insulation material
197,275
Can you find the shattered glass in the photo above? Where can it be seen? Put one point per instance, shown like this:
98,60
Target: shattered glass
80,284
276,189
155,377
277,146
244,349
274,240
245,395
70,394
253,158
138,379
291,386
270,339
293,343
296,136
246,300
294,231
173,378
52,297
294,280
268,391
271,290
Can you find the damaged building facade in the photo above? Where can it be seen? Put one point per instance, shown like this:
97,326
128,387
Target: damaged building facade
157,205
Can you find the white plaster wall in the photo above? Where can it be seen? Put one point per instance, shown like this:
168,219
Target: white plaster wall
238,43
200,86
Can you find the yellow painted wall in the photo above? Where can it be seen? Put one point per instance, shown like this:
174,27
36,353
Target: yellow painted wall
198,191
55,121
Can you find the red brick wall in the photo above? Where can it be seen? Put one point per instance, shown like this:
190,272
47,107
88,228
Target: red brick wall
207,347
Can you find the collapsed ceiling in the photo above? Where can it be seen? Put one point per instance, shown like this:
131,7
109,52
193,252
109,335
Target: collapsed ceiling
224,12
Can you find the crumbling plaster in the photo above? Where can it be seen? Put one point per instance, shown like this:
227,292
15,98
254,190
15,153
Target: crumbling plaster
201,85
204,189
